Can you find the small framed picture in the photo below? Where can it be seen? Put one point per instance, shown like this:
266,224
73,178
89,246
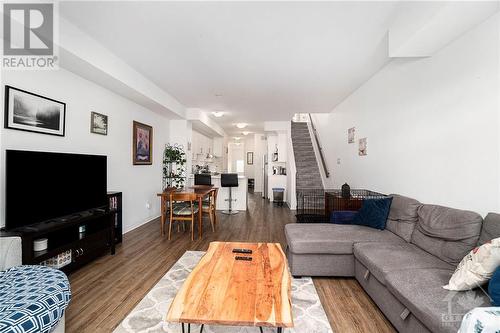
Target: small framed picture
98,123
362,147
142,146
30,112
350,135
250,157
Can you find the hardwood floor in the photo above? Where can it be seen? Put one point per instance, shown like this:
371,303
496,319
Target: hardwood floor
107,289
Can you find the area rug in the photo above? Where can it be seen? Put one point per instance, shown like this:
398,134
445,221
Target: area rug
148,316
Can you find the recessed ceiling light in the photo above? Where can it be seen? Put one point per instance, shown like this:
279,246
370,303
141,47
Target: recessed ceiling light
241,125
237,138
218,114
245,132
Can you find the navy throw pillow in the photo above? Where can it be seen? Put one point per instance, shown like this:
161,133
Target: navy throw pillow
374,213
343,216
494,287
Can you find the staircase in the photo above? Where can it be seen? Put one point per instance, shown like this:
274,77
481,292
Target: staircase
308,176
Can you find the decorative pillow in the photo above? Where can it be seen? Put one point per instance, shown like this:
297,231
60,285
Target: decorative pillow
477,267
373,213
343,216
494,287
481,320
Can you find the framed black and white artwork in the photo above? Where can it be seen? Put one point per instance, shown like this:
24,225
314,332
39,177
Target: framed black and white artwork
98,123
26,111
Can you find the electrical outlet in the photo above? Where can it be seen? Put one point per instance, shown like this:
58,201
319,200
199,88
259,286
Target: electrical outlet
338,161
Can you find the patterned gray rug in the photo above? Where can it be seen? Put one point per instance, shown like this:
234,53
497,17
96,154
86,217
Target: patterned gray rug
149,314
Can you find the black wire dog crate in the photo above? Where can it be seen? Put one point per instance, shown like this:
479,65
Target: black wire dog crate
317,205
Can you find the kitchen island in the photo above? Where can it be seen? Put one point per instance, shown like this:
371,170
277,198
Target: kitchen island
239,193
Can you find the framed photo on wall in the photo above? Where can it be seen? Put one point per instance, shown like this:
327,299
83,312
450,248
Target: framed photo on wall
98,123
26,111
142,145
362,147
250,157
350,135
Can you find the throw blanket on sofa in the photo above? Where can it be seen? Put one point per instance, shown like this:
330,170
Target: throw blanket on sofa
32,299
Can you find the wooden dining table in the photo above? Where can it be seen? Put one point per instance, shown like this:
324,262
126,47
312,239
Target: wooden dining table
201,191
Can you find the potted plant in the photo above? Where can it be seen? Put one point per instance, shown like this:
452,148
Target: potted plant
174,166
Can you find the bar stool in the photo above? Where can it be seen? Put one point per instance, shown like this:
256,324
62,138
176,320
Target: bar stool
203,179
229,180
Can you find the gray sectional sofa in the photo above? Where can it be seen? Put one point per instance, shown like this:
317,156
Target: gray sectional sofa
404,267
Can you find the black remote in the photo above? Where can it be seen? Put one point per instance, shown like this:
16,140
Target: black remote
243,258
246,251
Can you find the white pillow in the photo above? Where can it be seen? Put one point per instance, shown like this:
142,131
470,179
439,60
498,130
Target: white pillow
477,267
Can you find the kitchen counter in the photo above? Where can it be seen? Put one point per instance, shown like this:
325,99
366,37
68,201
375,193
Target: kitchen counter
239,193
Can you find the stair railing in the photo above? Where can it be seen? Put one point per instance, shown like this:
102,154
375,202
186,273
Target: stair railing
320,148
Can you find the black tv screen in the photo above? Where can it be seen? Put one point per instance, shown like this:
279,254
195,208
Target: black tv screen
41,186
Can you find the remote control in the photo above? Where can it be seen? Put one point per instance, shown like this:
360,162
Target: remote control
246,251
243,258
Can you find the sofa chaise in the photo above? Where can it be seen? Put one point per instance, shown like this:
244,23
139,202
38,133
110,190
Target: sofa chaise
404,267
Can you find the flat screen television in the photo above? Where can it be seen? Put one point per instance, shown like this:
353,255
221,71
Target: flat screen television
41,186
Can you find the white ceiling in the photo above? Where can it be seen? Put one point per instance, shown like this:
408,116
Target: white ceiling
257,61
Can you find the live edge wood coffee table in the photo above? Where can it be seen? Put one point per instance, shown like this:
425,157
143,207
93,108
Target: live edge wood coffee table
224,291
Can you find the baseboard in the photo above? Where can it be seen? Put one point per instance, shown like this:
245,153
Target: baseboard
143,223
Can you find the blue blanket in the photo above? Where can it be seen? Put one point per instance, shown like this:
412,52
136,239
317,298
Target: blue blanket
32,299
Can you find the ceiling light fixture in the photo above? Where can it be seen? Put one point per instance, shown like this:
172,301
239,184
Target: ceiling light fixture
218,114
241,125
245,133
237,138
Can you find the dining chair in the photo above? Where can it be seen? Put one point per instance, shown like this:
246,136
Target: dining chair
210,207
165,209
183,208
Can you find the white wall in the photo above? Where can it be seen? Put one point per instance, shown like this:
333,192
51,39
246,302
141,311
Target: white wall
260,146
180,133
139,184
291,172
432,126
250,147
236,152
498,92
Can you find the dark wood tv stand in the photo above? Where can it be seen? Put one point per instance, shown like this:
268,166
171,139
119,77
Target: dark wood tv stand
101,228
